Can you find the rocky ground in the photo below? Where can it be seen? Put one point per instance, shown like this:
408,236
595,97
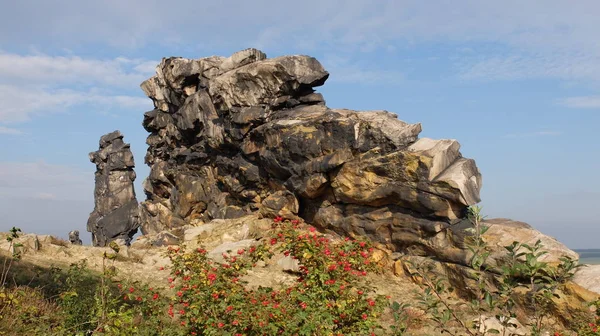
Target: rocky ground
145,259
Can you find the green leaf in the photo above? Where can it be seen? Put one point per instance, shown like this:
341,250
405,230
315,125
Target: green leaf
488,299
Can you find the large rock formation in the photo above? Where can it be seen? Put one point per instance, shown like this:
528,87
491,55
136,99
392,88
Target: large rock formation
116,213
230,136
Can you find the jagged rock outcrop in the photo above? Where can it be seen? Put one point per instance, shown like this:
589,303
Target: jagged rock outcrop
230,136
116,213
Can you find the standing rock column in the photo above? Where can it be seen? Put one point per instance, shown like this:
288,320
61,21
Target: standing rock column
116,213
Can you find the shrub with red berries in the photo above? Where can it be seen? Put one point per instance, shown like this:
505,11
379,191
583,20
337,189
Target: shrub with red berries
328,299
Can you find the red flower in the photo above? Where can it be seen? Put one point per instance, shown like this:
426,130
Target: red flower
364,316
312,229
131,289
155,296
371,303
303,305
278,219
220,325
273,241
180,293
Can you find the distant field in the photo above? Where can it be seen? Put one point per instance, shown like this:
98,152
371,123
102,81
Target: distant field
589,256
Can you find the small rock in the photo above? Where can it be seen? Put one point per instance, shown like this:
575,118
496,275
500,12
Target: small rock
289,264
165,238
513,328
230,247
74,237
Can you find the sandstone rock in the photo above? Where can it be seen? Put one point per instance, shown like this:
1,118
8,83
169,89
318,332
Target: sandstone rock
289,264
230,248
502,232
233,136
220,231
588,277
165,239
74,237
514,327
280,203
116,214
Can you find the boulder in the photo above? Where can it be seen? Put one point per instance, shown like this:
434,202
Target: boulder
116,214
74,237
588,277
503,232
233,136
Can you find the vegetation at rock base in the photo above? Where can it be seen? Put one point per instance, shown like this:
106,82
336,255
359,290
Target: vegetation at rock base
331,294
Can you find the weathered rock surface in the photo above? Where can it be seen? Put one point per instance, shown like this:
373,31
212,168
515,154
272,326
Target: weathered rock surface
589,278
502,232
116,213
244,134
74,237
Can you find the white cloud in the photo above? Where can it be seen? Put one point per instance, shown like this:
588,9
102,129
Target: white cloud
584,102
565,66
22,103
55,70
345,71
541,35
348,23
533,134
40,180
10,131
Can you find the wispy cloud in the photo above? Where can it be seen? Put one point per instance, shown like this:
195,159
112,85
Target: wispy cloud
541,39
582,102
56,70
566,66
10,131
345,71
533,134
21,104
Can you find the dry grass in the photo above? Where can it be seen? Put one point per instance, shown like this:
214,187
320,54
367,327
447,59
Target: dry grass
25,311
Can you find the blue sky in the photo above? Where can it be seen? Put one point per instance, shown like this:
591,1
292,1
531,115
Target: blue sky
517,83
